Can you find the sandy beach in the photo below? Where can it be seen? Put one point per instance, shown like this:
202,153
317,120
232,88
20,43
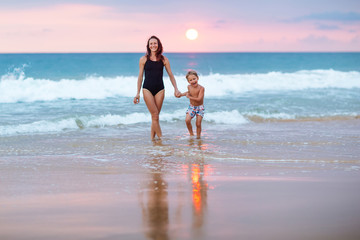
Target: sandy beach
261,184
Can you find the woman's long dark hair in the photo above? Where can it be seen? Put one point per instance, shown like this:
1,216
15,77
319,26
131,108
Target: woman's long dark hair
159,51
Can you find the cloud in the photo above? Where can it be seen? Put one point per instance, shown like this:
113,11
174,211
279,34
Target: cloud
324,43
219,23
329,16
327,27
311,39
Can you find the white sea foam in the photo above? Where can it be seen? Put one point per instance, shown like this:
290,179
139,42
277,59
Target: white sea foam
16,87
30,90
110,120
225,117
233,117
220,85
39,127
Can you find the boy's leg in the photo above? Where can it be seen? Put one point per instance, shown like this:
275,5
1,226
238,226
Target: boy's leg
188,124
198,125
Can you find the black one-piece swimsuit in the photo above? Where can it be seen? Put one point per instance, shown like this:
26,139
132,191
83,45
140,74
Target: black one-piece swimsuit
154,76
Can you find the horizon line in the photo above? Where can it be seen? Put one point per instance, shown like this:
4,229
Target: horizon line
172,52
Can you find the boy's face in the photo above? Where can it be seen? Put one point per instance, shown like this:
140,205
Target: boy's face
192,80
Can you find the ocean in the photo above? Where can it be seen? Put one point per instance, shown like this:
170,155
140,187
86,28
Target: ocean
45,98
279,150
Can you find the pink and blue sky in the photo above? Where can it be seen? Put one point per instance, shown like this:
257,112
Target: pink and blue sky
223,25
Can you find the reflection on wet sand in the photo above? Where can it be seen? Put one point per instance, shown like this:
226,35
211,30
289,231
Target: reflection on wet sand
198,170
155,200
155,206
199,194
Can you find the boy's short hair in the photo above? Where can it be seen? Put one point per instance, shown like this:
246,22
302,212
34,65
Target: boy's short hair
192,72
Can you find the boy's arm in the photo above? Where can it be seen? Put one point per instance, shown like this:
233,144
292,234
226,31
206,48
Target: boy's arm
184,94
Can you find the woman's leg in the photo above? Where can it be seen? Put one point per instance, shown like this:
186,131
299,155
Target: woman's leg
154,104
159,99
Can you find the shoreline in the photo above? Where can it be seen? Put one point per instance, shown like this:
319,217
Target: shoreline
257,181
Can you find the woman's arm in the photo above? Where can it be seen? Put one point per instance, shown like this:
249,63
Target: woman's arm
177,93
140,79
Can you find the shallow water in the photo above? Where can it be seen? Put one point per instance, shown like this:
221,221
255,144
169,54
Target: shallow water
302,141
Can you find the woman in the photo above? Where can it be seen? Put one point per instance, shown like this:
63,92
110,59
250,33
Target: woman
153,89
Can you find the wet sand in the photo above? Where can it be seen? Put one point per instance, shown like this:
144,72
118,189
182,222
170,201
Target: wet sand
213,200
248,186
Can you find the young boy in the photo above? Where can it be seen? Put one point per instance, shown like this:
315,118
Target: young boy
196,95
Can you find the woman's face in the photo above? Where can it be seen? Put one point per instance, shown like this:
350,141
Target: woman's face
153,44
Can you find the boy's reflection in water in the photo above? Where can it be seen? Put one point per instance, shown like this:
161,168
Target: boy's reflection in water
197,171
155,206
199,194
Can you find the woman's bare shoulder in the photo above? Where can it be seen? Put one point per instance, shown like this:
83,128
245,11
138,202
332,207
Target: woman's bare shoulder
143,59
166,60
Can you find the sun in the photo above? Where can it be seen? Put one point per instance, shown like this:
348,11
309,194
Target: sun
191,34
